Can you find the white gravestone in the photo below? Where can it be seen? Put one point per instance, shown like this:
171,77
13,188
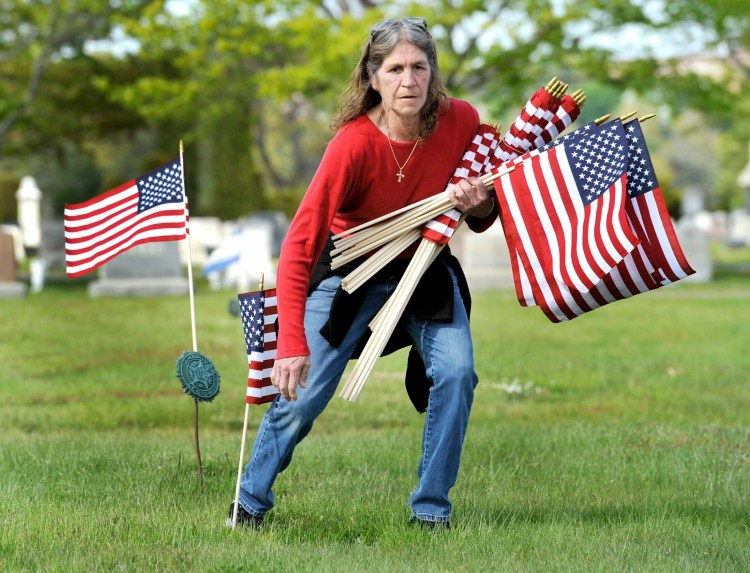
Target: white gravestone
206,233
29,200
695,245
243,256
738,228
743,180
14,231
719,227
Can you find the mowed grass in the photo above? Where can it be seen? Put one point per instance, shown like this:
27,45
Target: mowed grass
617,442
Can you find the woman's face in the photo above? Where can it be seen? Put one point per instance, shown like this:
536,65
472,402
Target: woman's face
403,80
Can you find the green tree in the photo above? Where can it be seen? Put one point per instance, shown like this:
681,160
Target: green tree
37,35
250,85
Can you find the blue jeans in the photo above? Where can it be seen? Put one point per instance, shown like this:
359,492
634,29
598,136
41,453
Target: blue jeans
447,351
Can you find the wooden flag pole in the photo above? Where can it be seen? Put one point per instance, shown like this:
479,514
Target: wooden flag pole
373,264
239,468
192,311
423,213
189,255
379,337
242,445
385,217
384,322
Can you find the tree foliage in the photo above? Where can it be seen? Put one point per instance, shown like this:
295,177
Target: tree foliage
40,38
250,85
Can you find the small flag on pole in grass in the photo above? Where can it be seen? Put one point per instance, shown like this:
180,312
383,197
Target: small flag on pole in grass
147,209
258,311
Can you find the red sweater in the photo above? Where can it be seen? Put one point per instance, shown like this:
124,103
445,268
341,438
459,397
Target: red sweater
355,183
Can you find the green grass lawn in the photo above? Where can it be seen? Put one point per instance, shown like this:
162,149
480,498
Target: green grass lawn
617,442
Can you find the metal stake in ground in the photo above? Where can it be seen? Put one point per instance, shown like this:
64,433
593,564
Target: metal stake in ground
197,374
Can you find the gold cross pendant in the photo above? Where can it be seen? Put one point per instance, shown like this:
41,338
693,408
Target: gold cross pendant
400,175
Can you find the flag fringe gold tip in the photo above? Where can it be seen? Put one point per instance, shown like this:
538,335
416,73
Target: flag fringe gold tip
579,96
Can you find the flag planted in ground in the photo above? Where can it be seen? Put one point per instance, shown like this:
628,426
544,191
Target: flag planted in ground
147,209
258,312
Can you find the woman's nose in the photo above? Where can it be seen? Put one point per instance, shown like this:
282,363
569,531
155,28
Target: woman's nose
409,78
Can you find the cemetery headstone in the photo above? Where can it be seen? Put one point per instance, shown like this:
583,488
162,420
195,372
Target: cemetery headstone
206,233
29,200
738,234
695,245
14,230
243,256
743,180
10,287
151,269
692,201
484,257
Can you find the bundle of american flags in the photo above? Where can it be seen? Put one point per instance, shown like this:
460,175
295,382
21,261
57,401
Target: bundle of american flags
583,216
586,223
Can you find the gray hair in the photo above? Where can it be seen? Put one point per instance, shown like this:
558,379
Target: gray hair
360,96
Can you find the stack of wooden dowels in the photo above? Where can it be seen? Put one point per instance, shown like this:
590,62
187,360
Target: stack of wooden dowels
399,230
384,323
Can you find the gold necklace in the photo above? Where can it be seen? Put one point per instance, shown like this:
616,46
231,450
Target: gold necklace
400,174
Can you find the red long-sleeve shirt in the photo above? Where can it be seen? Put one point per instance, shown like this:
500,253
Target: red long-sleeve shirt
355,183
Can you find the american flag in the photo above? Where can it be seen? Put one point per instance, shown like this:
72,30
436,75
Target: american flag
565,207
648,214
258,311
566,114
538,112
521,279
658,259
147,209
530,123
477,161
568,137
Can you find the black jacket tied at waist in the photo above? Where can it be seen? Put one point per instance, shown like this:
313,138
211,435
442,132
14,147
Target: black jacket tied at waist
432,300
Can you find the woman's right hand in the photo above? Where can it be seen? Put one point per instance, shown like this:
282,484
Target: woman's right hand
288,373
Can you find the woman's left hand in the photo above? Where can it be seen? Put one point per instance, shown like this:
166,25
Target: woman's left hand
470,196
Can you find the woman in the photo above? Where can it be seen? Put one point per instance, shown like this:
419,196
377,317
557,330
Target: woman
398,140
